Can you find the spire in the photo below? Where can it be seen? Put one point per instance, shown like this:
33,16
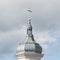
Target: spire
29,29
29,21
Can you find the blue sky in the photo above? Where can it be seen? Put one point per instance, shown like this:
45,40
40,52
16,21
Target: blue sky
45,22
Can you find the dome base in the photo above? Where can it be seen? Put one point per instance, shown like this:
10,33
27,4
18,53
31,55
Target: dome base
29,56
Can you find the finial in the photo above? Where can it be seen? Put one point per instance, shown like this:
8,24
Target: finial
29,21
29,29
30,12
29,16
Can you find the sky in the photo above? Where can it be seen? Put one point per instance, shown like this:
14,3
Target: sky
45,22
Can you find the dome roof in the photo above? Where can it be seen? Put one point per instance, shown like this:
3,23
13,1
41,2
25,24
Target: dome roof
29,44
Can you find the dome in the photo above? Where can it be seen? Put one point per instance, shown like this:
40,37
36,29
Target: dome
29,44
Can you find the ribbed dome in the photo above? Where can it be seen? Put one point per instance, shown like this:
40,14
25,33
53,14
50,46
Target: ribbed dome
29,44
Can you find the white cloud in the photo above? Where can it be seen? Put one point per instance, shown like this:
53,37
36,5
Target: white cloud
45,48
9,40
44,37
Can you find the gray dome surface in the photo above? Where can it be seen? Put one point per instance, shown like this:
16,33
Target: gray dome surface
29,44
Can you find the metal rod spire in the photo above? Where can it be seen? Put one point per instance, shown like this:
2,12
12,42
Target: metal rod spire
30,11
30,21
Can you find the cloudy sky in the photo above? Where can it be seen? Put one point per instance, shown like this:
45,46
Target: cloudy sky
45,22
